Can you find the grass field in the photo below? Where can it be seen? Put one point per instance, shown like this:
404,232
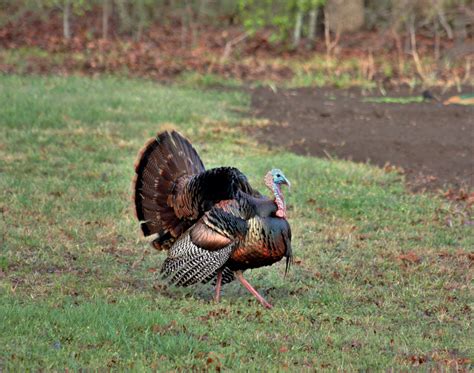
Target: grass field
380,279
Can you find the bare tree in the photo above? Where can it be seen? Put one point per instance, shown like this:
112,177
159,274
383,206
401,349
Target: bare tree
442,19
313,17
106,5
142,18
124,16
298,27
67,19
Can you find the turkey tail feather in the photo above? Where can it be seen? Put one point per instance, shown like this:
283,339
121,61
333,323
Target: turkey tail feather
159,166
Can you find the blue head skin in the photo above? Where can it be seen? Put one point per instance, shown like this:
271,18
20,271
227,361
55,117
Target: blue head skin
279,178
274,179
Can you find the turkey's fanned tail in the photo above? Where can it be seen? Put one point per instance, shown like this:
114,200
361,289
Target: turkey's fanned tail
172,190
161,164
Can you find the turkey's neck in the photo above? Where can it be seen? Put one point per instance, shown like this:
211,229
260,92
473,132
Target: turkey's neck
279,201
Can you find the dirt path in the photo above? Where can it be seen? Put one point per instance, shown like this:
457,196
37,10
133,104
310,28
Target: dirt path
433,143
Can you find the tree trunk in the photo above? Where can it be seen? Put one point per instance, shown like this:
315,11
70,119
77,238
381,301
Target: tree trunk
105,18
125,21
313,19
192,25
443,21
297,31
67,19
141,13
183,29
436,39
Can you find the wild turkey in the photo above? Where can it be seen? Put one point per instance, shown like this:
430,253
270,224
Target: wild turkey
213,223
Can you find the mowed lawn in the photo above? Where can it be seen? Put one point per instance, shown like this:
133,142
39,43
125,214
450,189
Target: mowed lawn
382,278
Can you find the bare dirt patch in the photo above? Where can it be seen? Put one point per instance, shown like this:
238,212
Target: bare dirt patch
431,142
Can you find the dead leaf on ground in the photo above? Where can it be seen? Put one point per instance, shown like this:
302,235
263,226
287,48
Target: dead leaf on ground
417,360
215,314
459,195
410,257
389,168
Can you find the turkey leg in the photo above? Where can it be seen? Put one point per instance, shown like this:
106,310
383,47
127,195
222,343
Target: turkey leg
249,287
217,297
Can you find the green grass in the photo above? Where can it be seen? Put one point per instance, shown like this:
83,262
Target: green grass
380,279
394,100
24,57
206,81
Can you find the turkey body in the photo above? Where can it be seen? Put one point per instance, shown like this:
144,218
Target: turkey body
267,242
213,223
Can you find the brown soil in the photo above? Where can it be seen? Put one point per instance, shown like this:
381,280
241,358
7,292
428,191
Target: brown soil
431,142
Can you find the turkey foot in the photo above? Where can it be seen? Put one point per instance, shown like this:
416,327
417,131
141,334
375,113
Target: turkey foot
249,287
217,296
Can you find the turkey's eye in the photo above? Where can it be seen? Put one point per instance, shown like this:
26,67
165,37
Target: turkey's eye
278,175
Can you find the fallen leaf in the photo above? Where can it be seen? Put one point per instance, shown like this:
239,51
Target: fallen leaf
389,168
417,359
410,257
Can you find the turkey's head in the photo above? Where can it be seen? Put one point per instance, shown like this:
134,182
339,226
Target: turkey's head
273,180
